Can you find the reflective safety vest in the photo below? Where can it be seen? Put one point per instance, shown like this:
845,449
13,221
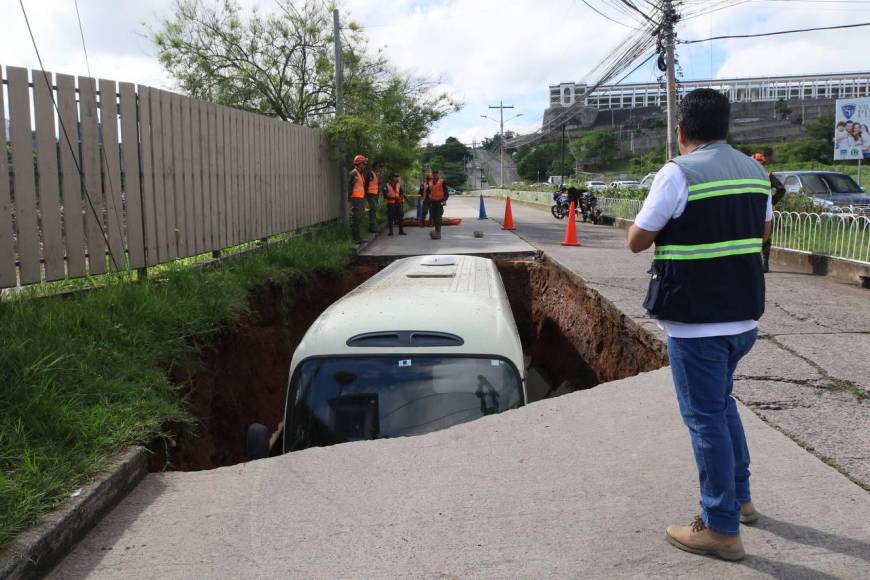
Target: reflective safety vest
359,190
707,265
374,184
394,194
436,191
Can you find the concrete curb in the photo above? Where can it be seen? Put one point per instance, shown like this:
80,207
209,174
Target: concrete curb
34,552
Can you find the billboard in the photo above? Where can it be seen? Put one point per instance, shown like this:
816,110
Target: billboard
852,130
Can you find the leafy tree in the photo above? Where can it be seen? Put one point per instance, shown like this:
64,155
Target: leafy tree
534,162
282,64
596,148
449,159
274,64
492,144
781,109
816,147
648,162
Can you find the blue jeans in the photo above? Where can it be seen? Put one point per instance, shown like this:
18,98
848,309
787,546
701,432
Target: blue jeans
703,371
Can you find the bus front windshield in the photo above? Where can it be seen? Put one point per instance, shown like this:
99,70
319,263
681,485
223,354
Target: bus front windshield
351,399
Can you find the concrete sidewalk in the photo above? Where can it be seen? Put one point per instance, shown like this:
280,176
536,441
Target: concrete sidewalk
575,487
802,374
579,486
495,243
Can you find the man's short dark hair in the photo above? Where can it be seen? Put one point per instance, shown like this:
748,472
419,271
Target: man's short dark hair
705,115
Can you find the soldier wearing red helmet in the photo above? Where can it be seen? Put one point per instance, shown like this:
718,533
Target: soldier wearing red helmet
356,194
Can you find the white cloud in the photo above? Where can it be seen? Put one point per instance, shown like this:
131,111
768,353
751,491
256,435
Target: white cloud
481,50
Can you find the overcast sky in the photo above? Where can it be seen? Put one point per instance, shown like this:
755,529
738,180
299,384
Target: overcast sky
482,50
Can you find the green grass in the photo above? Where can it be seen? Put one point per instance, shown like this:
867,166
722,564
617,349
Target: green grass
623,208
83,377
854,245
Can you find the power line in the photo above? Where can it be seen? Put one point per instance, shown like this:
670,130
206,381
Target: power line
602,14
82,34
777,33
66,137
103,148
635,69
634,7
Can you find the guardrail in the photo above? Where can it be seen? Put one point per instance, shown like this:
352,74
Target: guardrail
839,234
620,208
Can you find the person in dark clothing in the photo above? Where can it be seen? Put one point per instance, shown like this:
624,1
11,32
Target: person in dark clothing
437,199
356,193
395,204
424,195
708,213
778,192
373,190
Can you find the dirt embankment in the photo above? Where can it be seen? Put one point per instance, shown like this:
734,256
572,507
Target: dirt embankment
573,337
571,332
244,375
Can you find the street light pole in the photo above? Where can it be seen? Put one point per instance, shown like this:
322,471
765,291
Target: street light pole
501,107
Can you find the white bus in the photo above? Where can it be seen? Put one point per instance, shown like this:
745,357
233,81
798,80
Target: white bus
427,343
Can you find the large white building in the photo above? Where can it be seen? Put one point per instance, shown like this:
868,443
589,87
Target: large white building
765,89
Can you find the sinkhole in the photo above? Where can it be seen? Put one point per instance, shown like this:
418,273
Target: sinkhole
572,339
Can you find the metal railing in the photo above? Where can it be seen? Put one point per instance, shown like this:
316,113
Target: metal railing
838,234
620,208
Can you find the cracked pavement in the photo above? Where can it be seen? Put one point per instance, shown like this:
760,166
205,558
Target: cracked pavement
576,486
807,373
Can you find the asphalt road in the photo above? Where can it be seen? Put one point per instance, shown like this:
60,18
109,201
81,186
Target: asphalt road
580,486
492,166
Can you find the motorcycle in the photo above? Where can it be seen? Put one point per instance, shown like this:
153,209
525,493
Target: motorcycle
589,210
561,203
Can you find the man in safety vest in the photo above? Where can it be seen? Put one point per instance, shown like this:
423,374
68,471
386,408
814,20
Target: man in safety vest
708,213
437,198
356,193
373,190
395,204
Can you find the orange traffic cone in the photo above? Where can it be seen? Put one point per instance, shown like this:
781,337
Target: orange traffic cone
508,216
571,230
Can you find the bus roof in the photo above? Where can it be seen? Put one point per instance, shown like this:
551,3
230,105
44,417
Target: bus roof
460,296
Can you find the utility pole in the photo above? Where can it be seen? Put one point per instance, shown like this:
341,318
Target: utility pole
501,107
339,108
668,23
562,164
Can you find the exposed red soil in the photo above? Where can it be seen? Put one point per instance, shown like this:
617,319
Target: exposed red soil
244,376
574,336
571,332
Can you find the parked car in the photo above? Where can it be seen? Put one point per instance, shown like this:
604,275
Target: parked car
596,185
827,188
376,365
452,191
647,181
629,183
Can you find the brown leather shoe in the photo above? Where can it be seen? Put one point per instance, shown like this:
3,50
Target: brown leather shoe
748,515
697,538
